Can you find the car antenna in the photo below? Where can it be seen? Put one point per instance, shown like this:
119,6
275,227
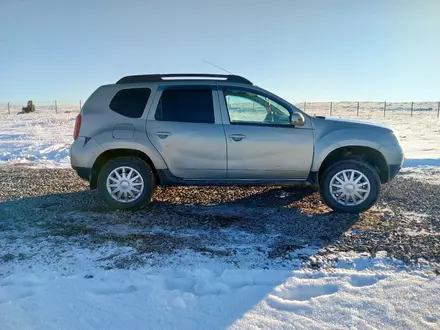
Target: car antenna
218,67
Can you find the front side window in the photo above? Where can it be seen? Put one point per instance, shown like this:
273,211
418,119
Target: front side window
190,105
250,108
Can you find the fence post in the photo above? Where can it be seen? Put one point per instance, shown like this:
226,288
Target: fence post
56,107
384,108
305,106
9,109
412,107
331,108
357,110
80,105
438,109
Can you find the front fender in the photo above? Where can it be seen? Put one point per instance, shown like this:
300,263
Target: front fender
327,143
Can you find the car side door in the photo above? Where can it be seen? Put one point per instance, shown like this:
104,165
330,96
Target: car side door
262,143
185,126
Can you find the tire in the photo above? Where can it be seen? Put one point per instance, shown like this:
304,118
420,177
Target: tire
145,183
340,191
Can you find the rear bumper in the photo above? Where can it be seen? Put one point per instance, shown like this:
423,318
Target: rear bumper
83,172
83,152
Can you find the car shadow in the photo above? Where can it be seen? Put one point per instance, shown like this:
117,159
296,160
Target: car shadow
287,221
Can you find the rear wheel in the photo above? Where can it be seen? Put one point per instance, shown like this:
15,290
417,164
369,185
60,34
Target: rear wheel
350,186
126,183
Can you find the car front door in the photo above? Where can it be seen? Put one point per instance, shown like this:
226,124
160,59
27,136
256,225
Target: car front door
185,126
262,143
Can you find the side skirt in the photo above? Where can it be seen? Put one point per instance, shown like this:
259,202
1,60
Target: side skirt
167,179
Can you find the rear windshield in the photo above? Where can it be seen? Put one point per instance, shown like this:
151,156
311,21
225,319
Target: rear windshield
130,102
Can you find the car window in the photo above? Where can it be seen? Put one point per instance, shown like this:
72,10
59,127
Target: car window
191,105
130,102
250,108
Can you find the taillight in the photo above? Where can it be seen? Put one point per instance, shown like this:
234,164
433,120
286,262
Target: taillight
77,126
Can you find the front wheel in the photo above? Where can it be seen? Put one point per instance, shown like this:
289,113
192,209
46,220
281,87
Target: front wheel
350,186
126,183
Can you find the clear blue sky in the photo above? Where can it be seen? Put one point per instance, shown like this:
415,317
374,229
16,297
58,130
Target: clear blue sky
302,50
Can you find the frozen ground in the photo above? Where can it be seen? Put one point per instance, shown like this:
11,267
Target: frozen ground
67,265
204,293
43,139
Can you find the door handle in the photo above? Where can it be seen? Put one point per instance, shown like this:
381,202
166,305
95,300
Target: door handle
162,135
237,137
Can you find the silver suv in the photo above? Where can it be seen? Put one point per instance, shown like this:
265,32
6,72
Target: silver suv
188,129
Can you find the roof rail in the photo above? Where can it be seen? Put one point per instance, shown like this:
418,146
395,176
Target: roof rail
181,76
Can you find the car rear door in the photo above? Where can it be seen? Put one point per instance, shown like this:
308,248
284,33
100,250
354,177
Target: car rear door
185,126
262,144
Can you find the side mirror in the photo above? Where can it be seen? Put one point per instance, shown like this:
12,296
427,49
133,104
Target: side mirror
297,119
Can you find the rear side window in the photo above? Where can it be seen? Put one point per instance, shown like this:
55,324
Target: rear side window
130,102
189,105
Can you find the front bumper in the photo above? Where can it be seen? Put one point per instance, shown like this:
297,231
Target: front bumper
393,170
394,157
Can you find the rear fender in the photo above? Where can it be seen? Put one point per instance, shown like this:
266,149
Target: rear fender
139,142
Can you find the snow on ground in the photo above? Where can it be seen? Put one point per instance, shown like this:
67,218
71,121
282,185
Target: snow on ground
419,134
44,138
189,290
41,139
205,293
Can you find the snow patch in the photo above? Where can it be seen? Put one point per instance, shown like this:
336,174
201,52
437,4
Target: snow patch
204,293
44,138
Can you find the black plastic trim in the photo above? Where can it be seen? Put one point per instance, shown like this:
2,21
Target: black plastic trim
167,179
313,178
159,78
393,170
83,172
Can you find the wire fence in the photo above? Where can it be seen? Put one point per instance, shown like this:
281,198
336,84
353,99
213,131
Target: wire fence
55,106
371,109
333,109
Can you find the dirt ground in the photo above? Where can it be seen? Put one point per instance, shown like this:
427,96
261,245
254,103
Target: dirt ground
54,208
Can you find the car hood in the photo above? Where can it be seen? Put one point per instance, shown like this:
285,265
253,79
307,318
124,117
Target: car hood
354,122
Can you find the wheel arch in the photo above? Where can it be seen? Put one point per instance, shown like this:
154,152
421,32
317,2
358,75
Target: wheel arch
367,154
110,154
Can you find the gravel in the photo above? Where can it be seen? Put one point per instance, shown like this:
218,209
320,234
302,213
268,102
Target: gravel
54,206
